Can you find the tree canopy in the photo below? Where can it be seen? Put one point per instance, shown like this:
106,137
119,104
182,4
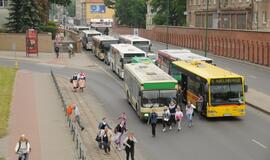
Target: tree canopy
23,15
176,11
61,2
131,12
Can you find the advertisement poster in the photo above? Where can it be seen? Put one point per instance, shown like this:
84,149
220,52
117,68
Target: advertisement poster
97,8
31,42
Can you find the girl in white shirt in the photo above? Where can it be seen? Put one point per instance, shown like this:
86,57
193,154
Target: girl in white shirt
178,118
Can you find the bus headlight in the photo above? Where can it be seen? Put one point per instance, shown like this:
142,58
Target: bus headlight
146,115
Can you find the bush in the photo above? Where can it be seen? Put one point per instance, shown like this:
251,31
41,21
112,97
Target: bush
3,30
48,28
52,23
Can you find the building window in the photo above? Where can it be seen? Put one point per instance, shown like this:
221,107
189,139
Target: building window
241,21
264,17
2,3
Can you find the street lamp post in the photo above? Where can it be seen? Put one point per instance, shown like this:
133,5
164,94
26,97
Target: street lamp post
167,23
206,29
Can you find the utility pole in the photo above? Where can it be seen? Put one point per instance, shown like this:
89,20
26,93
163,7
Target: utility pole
167,23
206,29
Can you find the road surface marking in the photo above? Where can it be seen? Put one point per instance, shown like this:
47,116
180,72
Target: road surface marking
259,143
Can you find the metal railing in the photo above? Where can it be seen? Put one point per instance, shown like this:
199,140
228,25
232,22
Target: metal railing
80,147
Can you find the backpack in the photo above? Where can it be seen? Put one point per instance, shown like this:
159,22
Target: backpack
69,110
27,142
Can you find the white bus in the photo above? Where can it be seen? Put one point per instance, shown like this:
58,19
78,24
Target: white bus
87,38
121,54
101,46
140,42
148,87
166,57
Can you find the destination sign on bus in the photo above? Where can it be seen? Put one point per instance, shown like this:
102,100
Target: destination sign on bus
226,81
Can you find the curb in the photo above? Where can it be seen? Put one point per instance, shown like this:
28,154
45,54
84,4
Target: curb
258,108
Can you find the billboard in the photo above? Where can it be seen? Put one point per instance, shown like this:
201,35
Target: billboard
97,8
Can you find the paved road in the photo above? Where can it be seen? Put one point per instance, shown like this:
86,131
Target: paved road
231,138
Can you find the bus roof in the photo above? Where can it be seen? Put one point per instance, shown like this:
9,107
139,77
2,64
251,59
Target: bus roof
104,38
133,38
149,73
91,31
205,70
183,54
127,48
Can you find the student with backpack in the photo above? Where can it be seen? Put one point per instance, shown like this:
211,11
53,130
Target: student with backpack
178,118
23,148
166,119
153,121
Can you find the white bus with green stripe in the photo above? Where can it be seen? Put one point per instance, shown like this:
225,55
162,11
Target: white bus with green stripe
148,87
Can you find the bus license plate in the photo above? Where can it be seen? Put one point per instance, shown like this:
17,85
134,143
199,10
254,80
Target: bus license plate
227,115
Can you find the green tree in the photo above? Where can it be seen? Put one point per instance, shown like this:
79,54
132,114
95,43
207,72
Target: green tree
14,20
176,11
30,16
110,3
23,15
71,9
61,2
131,12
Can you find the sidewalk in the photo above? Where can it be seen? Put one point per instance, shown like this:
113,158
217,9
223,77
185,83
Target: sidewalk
77,61
35,112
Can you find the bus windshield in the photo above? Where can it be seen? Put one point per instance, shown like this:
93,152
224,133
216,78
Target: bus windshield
105,45
157,98
143,45
227,93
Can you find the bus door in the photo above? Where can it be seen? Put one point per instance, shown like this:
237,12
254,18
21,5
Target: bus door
184,86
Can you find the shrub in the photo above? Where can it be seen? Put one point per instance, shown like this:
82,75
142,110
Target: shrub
48,28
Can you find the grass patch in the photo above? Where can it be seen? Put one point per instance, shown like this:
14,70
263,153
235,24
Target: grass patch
2,158
7,77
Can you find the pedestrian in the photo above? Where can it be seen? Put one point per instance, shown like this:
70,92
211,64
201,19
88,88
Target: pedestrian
103,124
81,80
119,131
106,137
200,105
23,148
56,49
106,31
166,119
75,81
153,121
178,118
179,96
189,113
122,118
69,110
77,116
172,109
129,143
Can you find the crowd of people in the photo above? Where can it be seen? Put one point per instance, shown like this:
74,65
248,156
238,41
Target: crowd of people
119,136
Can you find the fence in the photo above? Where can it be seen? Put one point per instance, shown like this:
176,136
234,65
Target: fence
248,46
74,130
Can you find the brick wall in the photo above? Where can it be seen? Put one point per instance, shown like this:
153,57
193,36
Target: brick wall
45,43
248,46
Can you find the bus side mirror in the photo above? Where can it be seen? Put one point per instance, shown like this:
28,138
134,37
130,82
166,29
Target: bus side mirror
246,88
140,93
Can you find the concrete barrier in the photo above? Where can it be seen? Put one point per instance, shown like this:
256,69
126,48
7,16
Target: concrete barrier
45,43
